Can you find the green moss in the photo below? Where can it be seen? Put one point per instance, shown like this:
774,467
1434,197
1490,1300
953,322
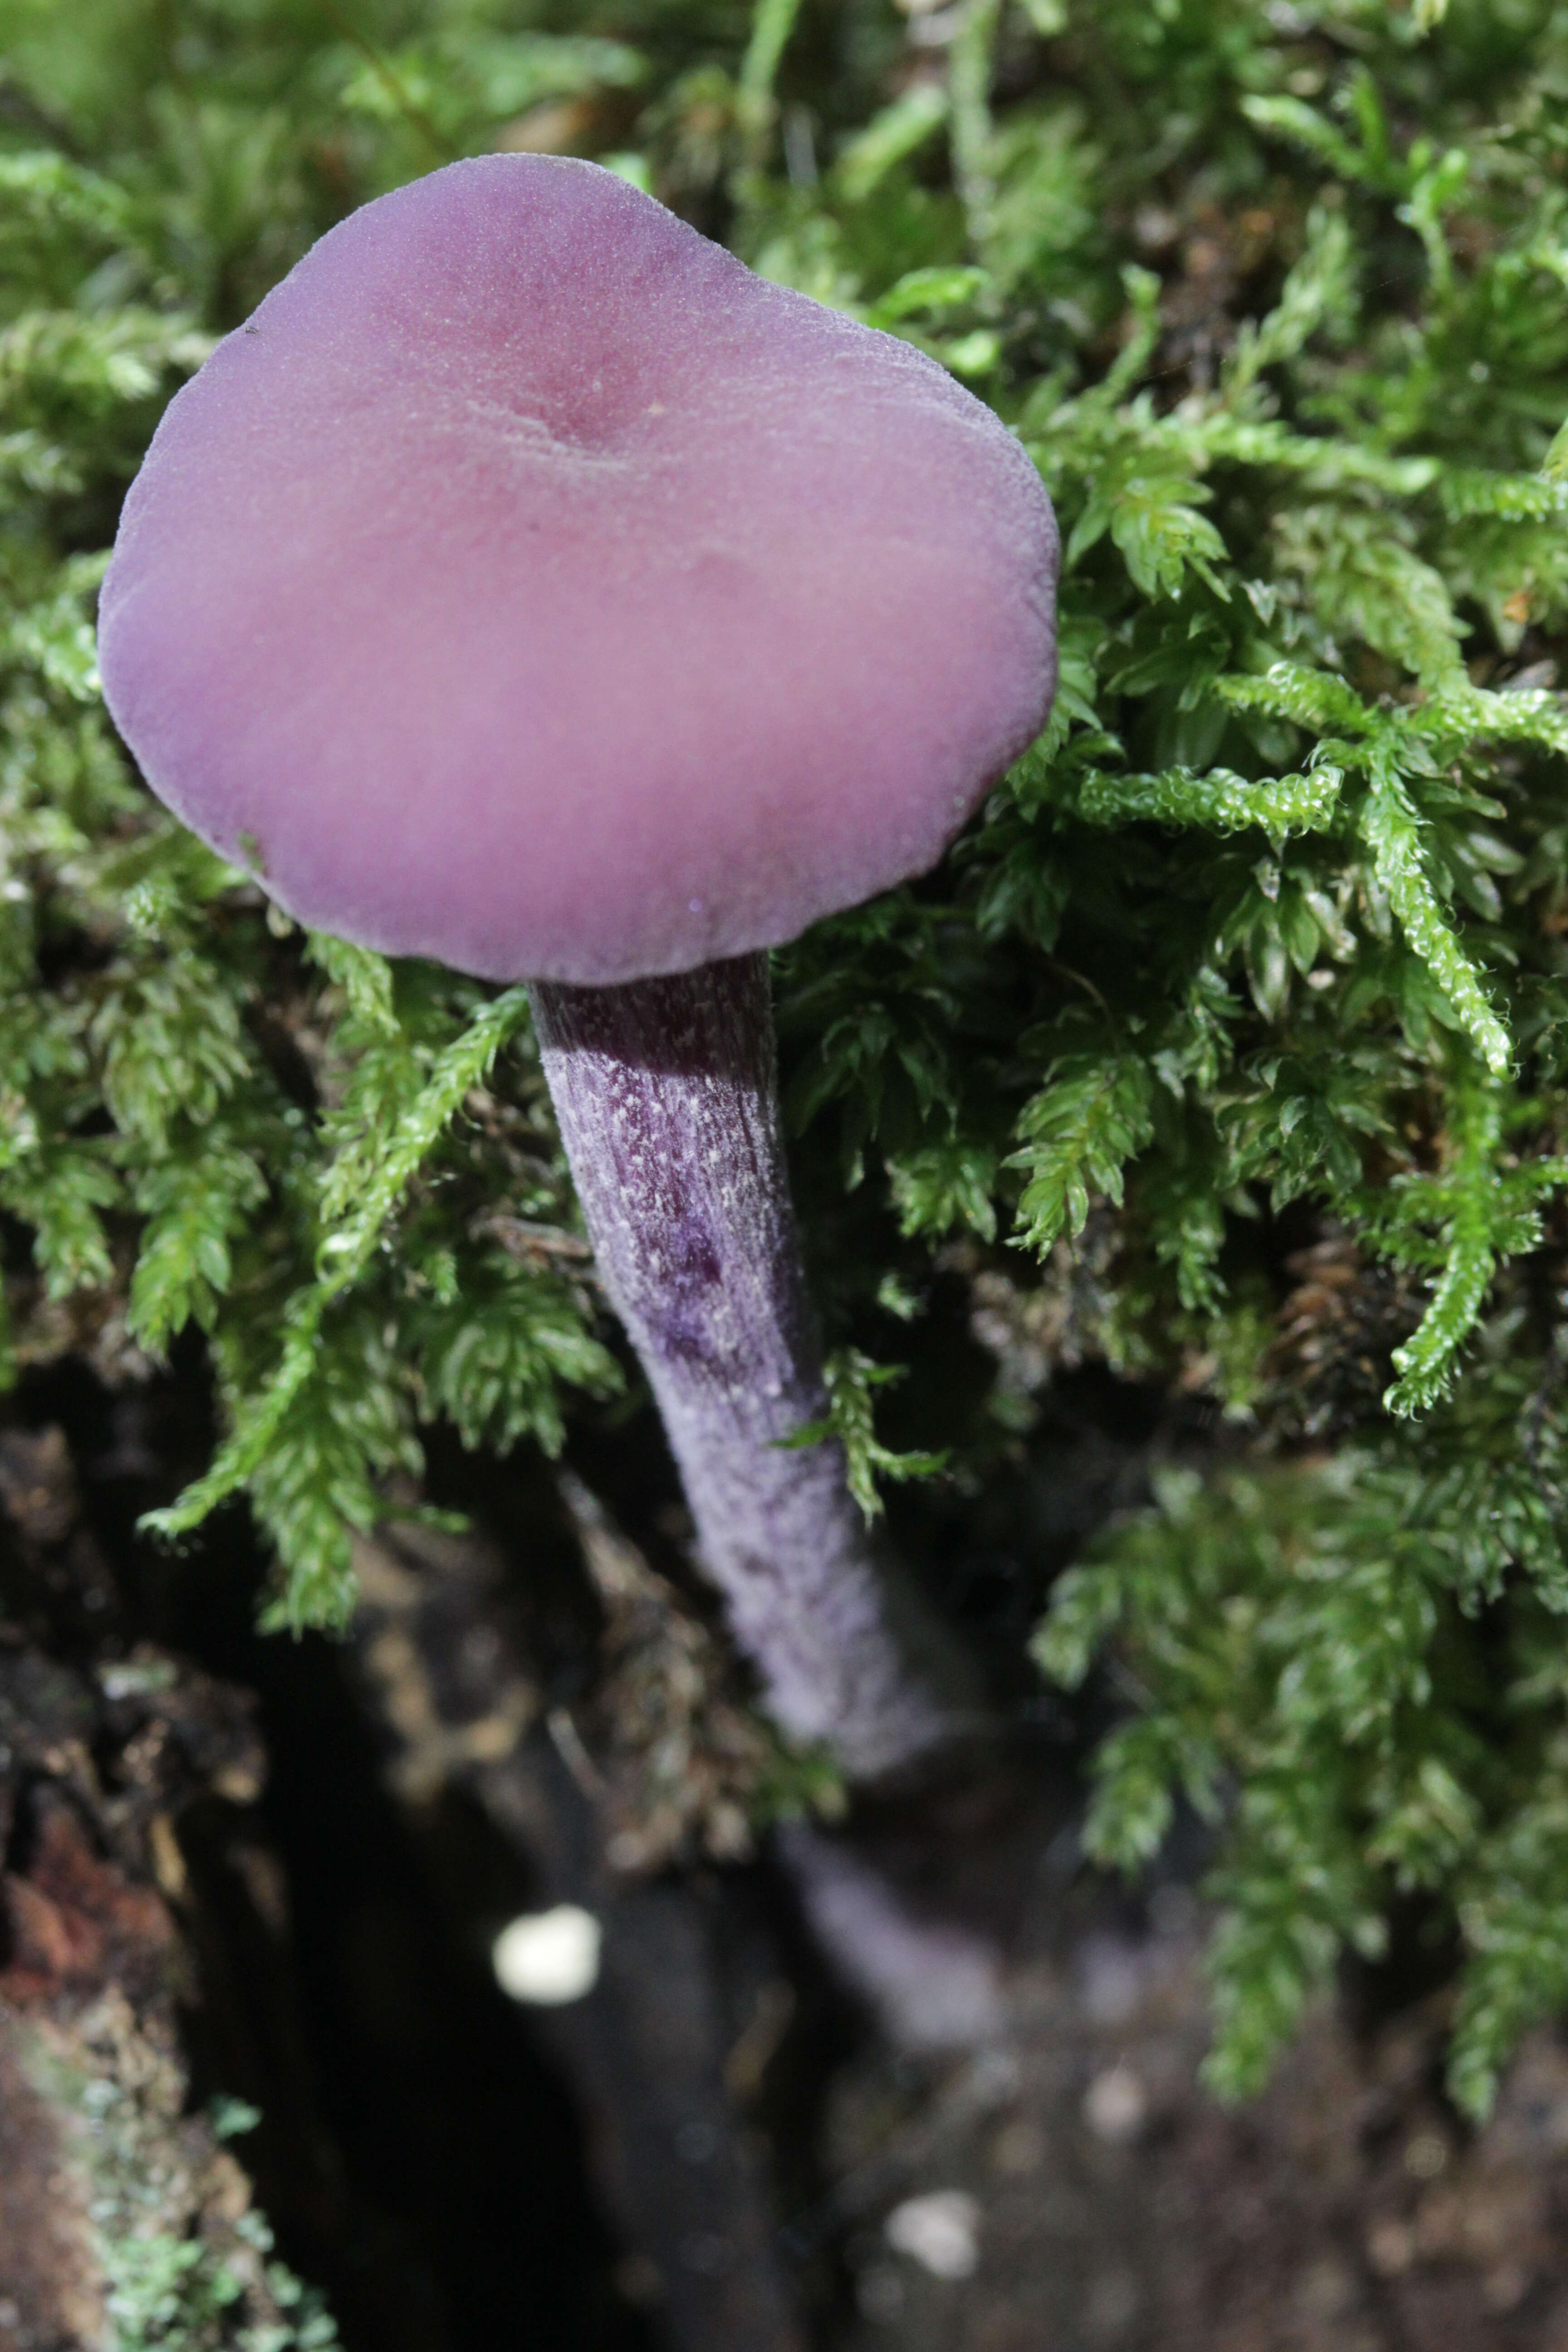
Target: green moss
180,2270
1270,918
176,2295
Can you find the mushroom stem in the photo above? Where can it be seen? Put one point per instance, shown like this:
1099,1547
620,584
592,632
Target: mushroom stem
666,1095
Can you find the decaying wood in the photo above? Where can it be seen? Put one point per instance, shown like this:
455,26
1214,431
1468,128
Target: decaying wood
651,2050
107,2182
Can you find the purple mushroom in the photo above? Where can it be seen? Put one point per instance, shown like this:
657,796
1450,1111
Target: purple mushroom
530,585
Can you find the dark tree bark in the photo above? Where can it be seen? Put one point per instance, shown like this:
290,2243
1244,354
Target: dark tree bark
647,2050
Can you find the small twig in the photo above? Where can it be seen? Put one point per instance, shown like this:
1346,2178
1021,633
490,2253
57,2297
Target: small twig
524,1237
1534,1421
569,1747
1056,964
442,149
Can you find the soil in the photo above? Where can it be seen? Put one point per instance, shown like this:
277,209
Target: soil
272,1871
1114,2207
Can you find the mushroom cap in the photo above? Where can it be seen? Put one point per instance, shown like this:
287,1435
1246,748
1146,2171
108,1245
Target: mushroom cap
530,585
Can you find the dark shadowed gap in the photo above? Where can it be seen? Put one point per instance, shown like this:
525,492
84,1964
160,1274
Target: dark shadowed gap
418,2156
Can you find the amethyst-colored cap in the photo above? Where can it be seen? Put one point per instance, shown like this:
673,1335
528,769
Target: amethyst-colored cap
531,586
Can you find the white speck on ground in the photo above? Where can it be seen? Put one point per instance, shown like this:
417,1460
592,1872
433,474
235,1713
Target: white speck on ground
1116,2106
549,1957
938,2231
